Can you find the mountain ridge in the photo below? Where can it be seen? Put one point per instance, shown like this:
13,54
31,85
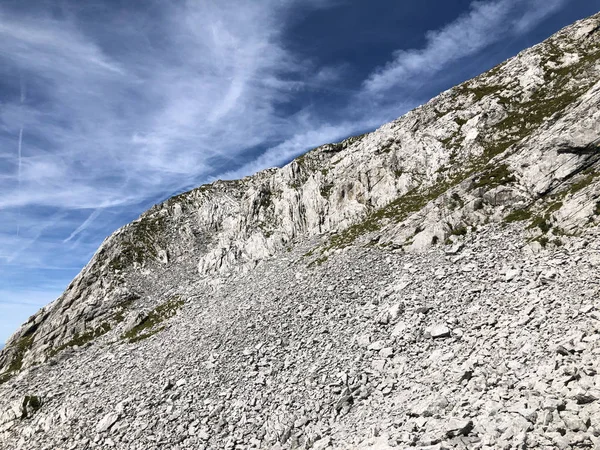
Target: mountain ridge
303,182
478,156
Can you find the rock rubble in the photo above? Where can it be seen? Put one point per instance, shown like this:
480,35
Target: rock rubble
489,363
430,285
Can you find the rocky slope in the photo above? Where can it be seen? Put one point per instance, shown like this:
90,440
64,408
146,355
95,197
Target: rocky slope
429,284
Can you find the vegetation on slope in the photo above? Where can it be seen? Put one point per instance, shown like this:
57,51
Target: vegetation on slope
148,325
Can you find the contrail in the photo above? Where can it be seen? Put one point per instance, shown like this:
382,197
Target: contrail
19,175
22,90
84,225
20,154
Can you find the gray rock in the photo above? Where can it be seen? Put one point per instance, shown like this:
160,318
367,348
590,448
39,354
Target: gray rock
584,398
572,421
438,331
386,352
376,346
458,427
511,274
107,421
364,341
322,443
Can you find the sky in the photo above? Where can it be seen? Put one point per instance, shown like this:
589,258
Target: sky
110,106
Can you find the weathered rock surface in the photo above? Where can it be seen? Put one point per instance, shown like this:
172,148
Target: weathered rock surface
432,284
246,364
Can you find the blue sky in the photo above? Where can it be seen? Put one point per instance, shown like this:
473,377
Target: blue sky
107,107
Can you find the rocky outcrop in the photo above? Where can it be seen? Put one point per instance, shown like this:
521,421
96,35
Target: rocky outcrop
275,255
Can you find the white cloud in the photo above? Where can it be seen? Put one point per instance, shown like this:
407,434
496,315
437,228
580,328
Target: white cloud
52,47
486,22
109,124
537,11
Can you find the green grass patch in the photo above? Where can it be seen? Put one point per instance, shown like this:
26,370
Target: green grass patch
416,199
485,90
317,262
453,142
184,197
553,97
80,340
460,230
21,347
455,201
553,207
541,223
309,253
119,315
518,215
386,148
139,242
26,342
522,119
583,182
326,190
557,231
310,159
396,211
498,176
148,326
543,240
446,141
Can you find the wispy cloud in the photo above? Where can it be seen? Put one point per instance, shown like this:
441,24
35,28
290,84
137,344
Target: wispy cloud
52,47
23,244
536,12
102,128
112,128
145,122
485,23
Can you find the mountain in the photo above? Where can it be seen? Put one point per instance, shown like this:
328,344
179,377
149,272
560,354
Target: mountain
431,284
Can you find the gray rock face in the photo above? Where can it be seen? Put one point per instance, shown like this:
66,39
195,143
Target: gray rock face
432,284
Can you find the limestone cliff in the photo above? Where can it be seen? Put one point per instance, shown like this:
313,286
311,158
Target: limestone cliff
518,143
